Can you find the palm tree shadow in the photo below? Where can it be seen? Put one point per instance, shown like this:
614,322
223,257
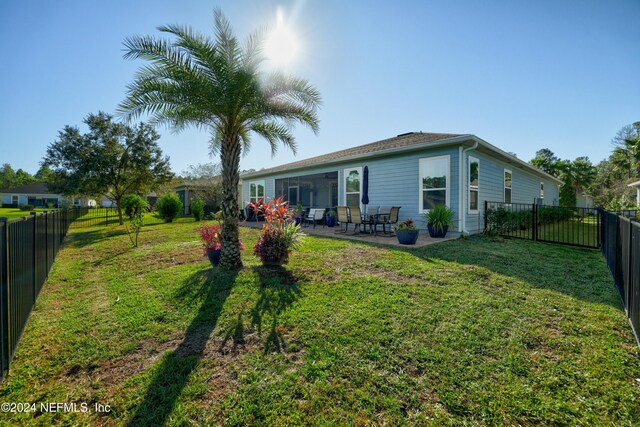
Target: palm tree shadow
278,290
173,373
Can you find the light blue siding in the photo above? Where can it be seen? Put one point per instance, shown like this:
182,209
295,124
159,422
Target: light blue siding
525,187
393,180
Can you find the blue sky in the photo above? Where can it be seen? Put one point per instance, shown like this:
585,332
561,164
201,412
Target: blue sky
522,75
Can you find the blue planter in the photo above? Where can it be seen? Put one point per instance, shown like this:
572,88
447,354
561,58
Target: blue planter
407,237
331,221
437,233
214,256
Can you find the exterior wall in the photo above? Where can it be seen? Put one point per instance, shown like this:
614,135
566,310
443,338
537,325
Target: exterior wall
584,201
23,199
525,187
393,181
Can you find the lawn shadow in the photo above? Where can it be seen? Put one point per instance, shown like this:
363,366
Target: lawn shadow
212,286
80,239
277,291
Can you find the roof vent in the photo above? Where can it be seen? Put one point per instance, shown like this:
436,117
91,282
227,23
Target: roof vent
405,134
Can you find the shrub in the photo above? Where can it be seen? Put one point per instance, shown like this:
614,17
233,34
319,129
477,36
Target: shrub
197,208
218,215
133,205
407,225
280,236
439,217
26,207
169,207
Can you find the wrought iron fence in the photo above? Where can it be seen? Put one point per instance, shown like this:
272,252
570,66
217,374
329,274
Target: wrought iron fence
98,217
28,246
621,249
553,224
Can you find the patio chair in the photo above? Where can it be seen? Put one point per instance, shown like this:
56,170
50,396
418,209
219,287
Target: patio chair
356,219
342,213
314,216
388,217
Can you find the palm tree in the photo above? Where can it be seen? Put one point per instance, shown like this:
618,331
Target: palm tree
215,84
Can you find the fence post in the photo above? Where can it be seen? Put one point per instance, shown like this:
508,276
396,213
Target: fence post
46,243
486,205
34,260
4,297
535,222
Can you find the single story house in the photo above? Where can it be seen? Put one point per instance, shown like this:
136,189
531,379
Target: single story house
36,194
583,200
415,171
636,185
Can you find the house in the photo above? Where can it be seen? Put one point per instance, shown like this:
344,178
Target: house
415,171
36,194
636,185
208,189
583,200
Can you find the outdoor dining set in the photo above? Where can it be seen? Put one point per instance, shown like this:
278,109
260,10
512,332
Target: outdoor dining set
373,218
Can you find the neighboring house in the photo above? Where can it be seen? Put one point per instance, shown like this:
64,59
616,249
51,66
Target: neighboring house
36,194
106,202
636,185
583,200
414,171
208,189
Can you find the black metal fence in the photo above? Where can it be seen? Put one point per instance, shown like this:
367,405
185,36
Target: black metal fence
28,246
553,224
97,217
621,249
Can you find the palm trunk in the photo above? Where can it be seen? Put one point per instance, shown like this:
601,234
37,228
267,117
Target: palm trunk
230,159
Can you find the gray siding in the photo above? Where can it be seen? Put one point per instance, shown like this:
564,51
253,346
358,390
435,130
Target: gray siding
525,187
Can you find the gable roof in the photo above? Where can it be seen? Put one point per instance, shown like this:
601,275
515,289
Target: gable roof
401,143
403,140
33,188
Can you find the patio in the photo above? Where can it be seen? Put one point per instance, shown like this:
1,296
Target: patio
389,240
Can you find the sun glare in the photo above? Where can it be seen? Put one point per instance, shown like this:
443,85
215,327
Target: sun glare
281,45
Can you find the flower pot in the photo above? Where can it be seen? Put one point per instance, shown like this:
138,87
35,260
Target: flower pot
433,232
214,256
297,220
331,221
407,237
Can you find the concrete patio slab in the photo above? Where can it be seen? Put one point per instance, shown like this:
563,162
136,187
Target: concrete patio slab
390,240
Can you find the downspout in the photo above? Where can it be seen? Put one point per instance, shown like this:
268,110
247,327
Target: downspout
463,184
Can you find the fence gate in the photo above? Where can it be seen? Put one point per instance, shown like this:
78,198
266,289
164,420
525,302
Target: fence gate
551,224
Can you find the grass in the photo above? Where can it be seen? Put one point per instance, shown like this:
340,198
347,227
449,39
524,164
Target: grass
17,213
467,332
577,232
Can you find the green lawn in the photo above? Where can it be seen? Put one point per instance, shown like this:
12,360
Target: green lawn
576,232
16,213
467,332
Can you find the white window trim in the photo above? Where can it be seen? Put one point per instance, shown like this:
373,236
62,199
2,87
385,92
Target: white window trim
17,196
541,190
345,174
421,167
504,186
477,188
258,183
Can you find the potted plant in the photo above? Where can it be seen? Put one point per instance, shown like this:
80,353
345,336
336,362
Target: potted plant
407,232
331,218
210,234
299,210
438,220
280,235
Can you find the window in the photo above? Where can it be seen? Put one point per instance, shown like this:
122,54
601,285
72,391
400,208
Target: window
256,191
507,186
14,199
352,186
434,182
542,191
474,181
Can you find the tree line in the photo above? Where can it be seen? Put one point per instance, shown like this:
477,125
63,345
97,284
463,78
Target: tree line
607,182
